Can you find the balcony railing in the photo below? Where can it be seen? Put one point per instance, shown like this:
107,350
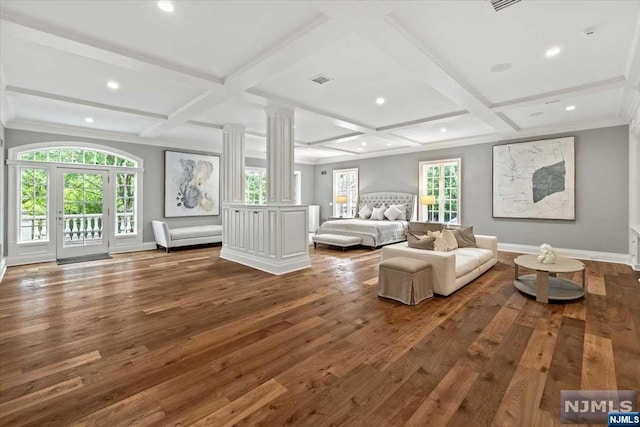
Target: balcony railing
76,227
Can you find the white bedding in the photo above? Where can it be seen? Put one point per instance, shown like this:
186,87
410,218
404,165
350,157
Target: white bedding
373,233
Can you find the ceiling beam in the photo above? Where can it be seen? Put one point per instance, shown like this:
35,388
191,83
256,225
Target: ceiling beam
6,107
47,35
265,99
313,36
391,38
82,102
571,92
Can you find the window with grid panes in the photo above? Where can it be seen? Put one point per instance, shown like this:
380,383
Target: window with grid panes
125,220
441,179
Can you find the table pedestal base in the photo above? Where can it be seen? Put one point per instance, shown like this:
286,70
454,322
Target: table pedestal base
546,288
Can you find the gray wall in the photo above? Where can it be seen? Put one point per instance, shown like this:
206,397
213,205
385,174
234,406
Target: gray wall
153,157
602,183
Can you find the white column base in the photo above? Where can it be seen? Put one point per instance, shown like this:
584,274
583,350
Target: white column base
271,266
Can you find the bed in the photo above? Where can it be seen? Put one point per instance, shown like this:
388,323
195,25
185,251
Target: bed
375,233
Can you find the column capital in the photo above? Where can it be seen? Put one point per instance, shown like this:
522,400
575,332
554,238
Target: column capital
233,127
272,111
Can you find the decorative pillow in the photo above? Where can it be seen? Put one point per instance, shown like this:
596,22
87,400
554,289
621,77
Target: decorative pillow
393,213
465,237
378,213
450,239
439,244
424,227
403,211
418,241
365,212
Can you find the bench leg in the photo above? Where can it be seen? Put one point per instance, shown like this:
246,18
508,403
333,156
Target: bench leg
315,245
167,250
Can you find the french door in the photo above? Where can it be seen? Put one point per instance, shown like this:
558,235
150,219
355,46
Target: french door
82,214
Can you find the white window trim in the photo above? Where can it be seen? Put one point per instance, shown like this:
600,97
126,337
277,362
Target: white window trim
40,251
422,190
297,175
335,192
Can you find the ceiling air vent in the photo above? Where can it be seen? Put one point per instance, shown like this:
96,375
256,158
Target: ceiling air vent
498,5
320,79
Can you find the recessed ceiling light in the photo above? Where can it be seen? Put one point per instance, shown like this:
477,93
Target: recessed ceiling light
389,144
359,149
364,142
500,67
443,130
552,51
89,120
570,107
380,101
536,114
111,84
165,5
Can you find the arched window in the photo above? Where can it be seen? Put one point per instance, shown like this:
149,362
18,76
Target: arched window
77,155
75,193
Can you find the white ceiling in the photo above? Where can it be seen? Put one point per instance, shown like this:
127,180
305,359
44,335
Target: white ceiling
183,75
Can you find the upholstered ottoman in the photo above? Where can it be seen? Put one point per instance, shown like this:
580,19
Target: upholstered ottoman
407,280
339,240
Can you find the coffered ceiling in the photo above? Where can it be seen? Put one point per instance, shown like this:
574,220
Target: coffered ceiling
449,72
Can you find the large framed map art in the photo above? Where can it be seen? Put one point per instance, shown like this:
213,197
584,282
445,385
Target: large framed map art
191,184
535,179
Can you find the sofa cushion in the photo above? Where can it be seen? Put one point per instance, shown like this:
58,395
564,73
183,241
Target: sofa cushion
465,263
193,232
481,255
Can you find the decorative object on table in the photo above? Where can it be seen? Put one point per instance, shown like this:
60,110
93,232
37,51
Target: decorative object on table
341,200
191,184
428,200
534,179
547,254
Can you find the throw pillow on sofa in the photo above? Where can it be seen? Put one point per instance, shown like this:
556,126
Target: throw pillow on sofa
450,239
465,237
418,241
439,244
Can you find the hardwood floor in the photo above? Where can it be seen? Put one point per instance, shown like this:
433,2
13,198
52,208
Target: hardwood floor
187,338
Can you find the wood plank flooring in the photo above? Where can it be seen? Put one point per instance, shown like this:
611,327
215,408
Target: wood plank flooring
189,339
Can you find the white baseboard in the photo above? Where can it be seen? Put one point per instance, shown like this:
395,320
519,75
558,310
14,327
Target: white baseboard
30,259
146,246
573,253
265,264
3,267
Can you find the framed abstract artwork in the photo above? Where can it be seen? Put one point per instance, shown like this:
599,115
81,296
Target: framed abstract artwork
191,184
535,179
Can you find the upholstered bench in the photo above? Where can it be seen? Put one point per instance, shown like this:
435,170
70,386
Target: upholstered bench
407,280
185,236
339,240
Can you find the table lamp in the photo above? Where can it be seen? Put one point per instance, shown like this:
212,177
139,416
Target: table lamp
428,200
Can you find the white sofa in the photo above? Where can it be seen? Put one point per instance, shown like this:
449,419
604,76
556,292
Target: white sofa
185,236
451,270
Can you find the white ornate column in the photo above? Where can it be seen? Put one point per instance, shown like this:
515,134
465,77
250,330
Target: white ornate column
233,164
273,238
280,163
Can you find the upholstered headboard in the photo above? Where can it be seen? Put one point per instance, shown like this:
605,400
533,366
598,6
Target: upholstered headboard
391,198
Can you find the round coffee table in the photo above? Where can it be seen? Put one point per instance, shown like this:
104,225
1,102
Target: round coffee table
544,285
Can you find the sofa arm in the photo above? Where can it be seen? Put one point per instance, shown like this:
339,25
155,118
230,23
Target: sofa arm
487,242
161,233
